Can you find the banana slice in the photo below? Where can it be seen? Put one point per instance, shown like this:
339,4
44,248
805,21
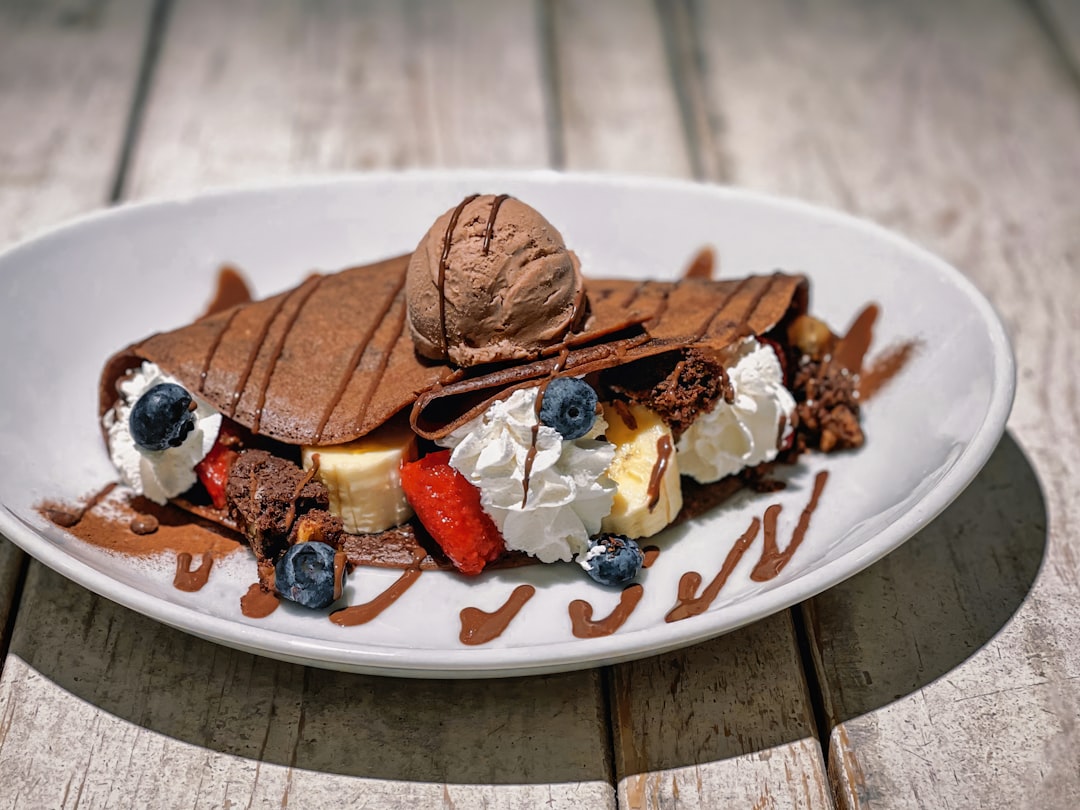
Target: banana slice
649,494
363,477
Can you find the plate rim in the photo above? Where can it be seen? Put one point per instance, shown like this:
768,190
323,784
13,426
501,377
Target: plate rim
478,662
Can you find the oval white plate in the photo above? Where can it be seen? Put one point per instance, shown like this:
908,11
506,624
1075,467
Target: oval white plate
74,295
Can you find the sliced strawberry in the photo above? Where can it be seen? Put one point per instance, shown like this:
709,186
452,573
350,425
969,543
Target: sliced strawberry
213,470
449,507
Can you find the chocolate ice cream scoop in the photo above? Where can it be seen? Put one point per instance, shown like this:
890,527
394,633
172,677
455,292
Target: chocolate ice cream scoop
492,280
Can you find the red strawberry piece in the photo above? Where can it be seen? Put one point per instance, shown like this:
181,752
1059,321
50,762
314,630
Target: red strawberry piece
213,470
449,507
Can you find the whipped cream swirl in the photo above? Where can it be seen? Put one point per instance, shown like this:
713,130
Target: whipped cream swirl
569,492
157,474
748,431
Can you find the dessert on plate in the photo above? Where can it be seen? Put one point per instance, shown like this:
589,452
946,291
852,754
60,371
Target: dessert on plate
477,403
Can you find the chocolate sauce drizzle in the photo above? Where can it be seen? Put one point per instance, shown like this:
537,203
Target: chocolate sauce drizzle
884,368
355,360
276,355
664,449
490,229
362,614
209,359
67,518
290,514
773,560
480,627
444,261
771,563
852,347
583,625
253,354
188,579
258,602
689,604
701,266
231,290
621,407
530,456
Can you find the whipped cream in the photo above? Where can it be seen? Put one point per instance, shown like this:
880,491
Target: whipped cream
569,491
748,431
157,474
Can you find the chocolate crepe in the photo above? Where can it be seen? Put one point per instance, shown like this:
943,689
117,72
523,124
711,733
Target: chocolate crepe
332,359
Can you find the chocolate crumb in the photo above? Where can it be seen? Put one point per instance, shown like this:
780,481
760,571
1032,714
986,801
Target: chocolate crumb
144,524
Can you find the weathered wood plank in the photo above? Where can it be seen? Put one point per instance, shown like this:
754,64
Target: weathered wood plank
618,104
726,723
337,86
145,714
953,667
1062,17
68,69
244,91
67,73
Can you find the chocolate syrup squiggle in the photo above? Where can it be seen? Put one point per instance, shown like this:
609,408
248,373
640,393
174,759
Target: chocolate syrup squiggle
701,266
276,355
480,627
490,229
771,563
68,519
689,604
353,364
209,359
584,626
444,260
255,347
773,560
530,456
188,579
258,603
664,451
362,614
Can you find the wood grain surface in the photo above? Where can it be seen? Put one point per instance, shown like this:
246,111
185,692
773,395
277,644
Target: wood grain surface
951,670
726,723
240,94
948,675
68,72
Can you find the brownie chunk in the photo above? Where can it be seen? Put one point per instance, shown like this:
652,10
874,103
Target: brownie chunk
827,406
677,387
266,494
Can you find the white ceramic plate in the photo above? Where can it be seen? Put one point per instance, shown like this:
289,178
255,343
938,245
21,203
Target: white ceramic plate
74,295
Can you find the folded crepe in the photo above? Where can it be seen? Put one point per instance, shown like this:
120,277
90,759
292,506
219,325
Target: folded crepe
332,359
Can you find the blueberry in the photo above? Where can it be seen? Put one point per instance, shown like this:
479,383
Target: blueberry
162,417
617,563
306,575
569,406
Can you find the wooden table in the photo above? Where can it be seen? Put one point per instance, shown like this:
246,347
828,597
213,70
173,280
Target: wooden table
947,675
